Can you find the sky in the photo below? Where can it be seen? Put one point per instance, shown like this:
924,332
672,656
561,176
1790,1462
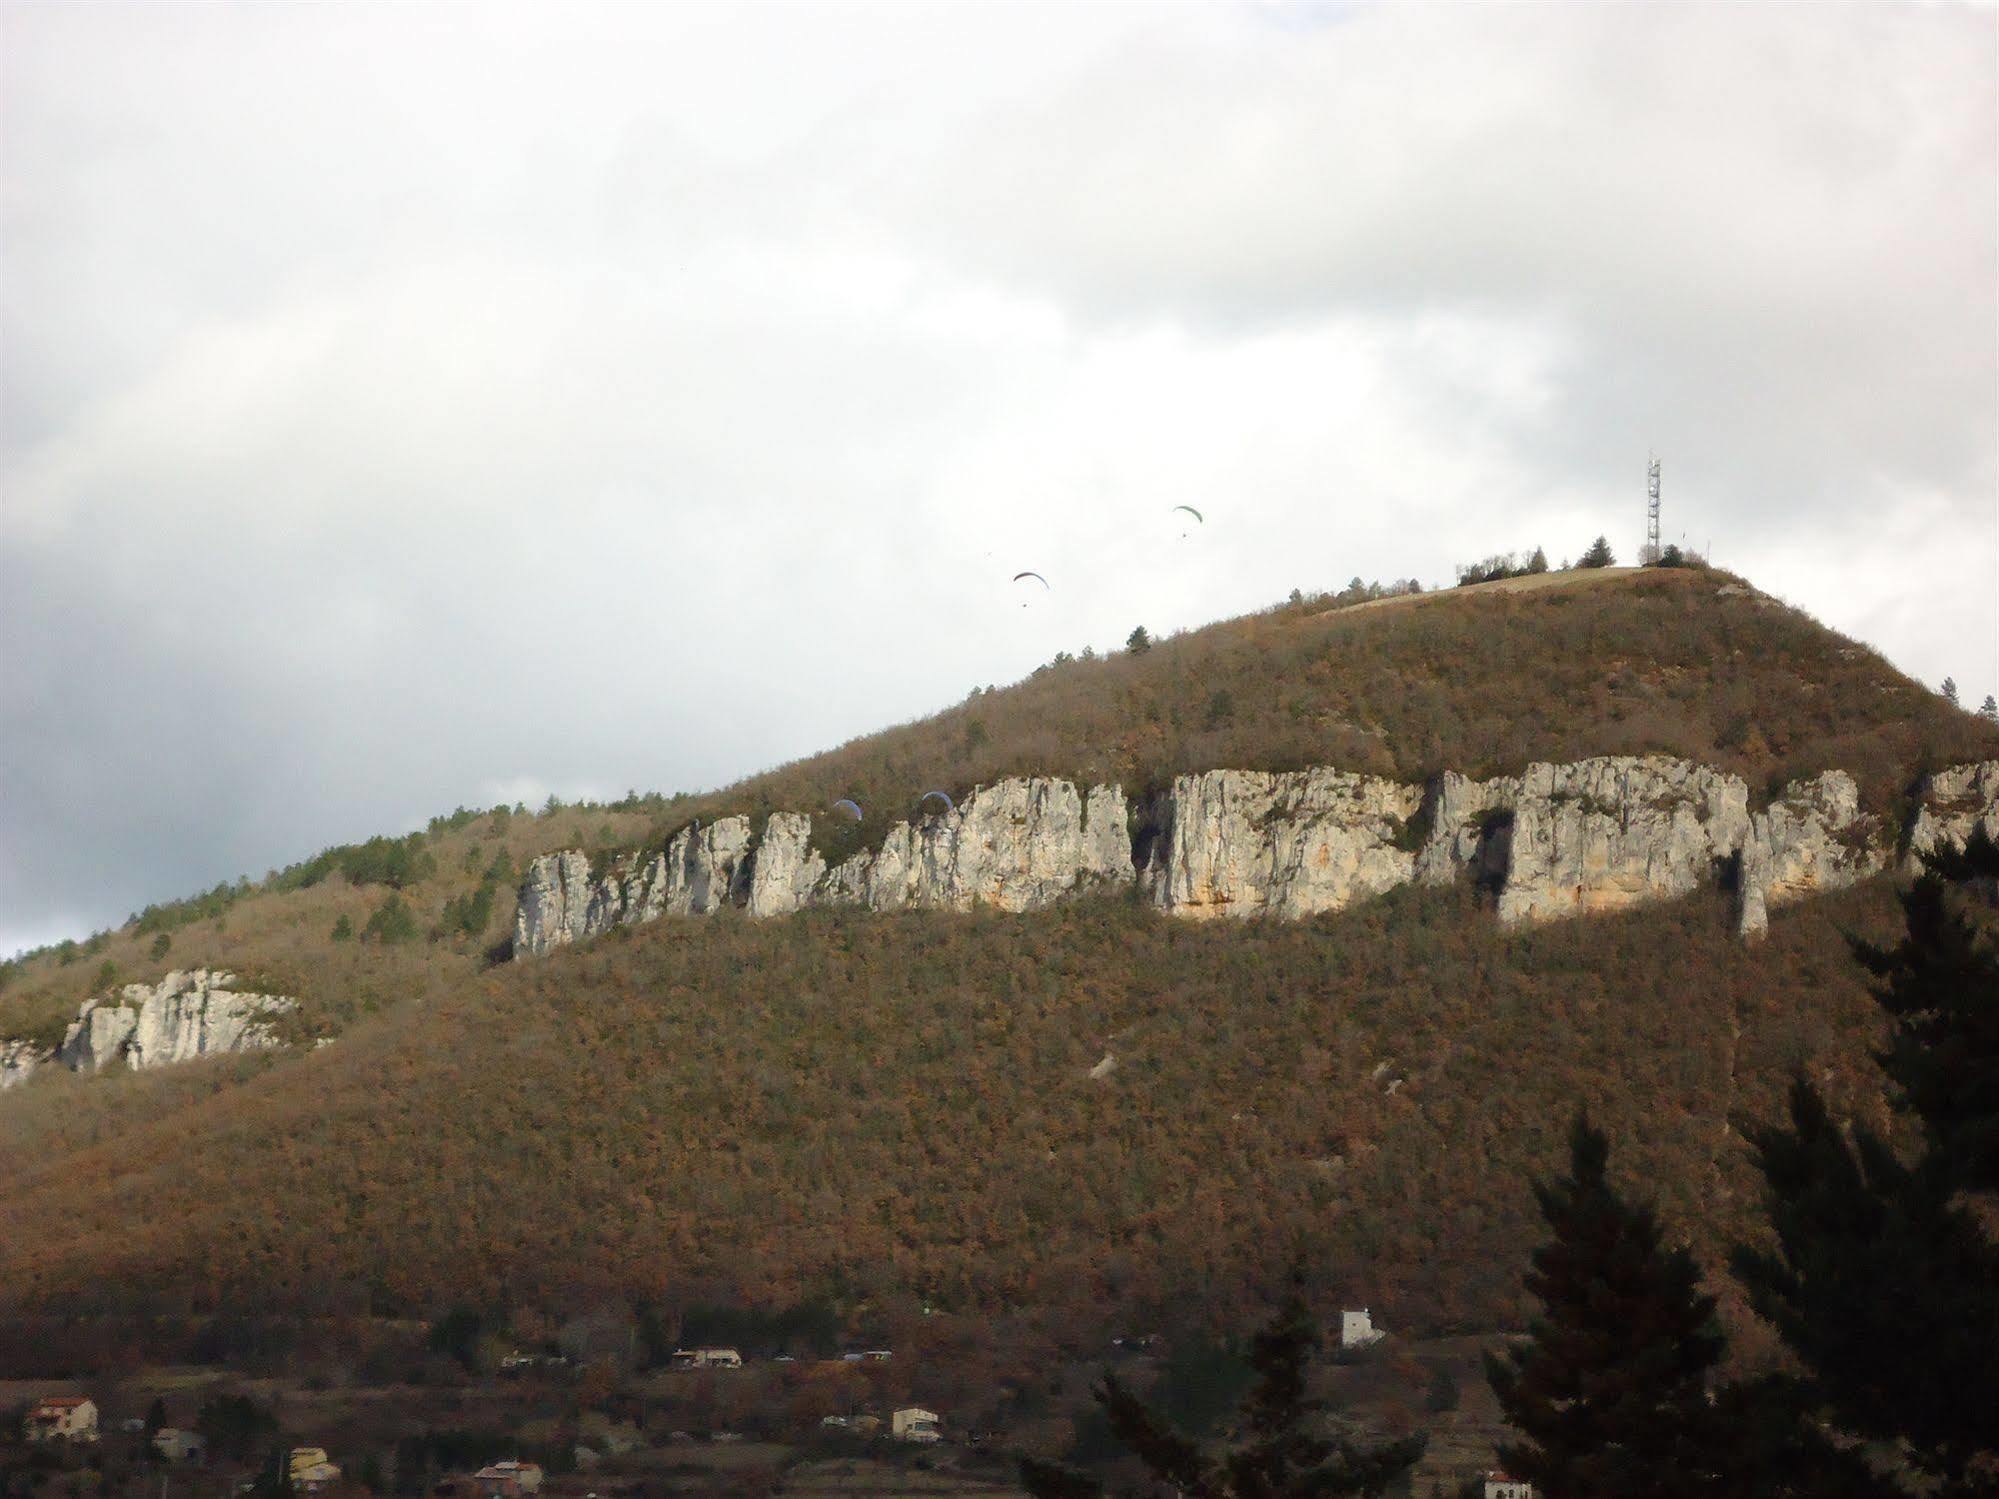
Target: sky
422,405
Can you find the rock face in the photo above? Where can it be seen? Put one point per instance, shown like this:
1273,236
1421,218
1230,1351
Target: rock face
19,1059
1248,843
184,1016
1811,838
1955,804
1602,834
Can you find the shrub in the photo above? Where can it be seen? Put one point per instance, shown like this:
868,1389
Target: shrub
160,945
391,922
343,929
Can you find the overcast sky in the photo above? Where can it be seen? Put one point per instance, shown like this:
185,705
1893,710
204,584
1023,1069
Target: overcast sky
416,405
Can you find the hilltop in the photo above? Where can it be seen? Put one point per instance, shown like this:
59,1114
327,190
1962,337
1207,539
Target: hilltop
879,1107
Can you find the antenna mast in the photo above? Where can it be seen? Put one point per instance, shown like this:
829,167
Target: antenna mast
1651,553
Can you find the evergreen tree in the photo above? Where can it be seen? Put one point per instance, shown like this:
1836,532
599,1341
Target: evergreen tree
1610,1388
1949,690
1598,555
156,1415
1278,1452
1940,985
1138,642
1882,1280
1989,709
1538,563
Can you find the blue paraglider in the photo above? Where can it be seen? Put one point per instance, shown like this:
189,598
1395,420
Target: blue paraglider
847,809
949,805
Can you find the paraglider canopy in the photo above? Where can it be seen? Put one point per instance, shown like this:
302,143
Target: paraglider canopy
1036,576
949,805
847,809
1191,511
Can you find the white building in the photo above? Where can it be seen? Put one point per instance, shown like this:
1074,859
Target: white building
706,1358
62,1418
914,1424
1500,1486
1357,1329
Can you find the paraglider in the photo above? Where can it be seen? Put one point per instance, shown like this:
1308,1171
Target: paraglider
949,805
847,809
1203,520
1017,577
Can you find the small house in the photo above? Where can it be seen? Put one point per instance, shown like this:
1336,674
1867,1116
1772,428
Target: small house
178,1446
1357,1329
310,1470
706,1358
61,1418
914,1424
508,1480
1501,1486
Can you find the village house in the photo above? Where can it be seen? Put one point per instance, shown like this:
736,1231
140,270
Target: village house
508,1479
62,1418
1357,1329
914,1424
1499,1486
178,1446
310,1470
706,1358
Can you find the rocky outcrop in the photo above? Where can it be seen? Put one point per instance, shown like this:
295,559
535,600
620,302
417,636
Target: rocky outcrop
1289,844
19,1059
1602,834
1812,838
784,872
1953,805
554,907
184,1016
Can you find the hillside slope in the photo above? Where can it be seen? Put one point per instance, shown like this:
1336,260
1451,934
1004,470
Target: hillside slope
903,1105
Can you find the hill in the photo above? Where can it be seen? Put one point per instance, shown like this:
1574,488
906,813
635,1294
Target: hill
877,1108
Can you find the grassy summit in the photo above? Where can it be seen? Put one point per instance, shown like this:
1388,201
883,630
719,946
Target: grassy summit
902,1105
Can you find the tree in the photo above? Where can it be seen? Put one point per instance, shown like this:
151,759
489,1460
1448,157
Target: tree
1538,563
1949,690
1989,709
1598,555
233,1425
1610,1387
1278,1451
343,929
160,945
1882,1280
1138,642
156,1415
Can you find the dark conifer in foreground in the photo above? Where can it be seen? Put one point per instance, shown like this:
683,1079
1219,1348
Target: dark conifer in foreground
1883,1282
1279,1452
1609,1389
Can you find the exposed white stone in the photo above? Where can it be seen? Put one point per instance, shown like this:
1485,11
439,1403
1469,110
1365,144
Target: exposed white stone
1955,804
1468,821
184,1016
554,905
1613,832
1811,838
19,1059
785,871
1292,843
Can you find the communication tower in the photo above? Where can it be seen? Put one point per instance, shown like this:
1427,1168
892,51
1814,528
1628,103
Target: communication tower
1651,553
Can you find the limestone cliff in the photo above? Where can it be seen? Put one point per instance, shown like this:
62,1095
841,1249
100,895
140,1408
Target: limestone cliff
1955,804
19,1059
1249,843
1601,834
1812,838
184,1016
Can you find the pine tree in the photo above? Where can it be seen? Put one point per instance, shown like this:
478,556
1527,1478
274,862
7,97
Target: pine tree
1941,986
1949,690
1610,1387
1882,1280
1989,709
1138,642
1598,555
1278,1452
